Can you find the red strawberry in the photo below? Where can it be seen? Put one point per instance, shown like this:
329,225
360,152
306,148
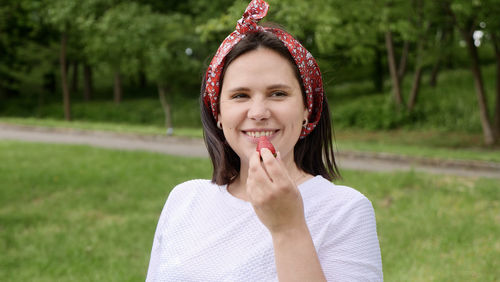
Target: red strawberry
265,143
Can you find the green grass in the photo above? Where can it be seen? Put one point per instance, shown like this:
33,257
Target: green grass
137,111
418,143
76,213
82,214
104,126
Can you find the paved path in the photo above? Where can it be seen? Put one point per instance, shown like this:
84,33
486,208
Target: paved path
196,148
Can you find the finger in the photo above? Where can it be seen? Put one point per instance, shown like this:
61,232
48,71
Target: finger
254,164
272,165
257,182
255,170
265,154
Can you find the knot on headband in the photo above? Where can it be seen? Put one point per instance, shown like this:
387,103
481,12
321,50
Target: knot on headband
308,68
255,11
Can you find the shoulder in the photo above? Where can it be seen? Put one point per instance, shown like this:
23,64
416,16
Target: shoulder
184,195
319,187
190,185
189,191
321,193
342,221
191,188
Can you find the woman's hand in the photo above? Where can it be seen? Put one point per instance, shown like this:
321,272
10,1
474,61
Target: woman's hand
273,194
278,204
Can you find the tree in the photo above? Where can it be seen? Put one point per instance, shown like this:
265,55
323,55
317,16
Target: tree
117,39
168,45
19,30
466,17
70,19
491,24
61,14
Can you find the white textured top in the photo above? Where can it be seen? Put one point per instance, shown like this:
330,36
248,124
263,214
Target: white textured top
206,234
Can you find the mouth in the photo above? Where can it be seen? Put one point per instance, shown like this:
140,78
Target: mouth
259,133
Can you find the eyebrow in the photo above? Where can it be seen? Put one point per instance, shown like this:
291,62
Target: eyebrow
274,86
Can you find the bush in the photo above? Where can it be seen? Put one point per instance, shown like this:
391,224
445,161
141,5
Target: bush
451,106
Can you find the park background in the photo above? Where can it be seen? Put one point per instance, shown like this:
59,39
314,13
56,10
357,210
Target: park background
410,78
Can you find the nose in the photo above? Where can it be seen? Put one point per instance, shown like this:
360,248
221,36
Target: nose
258,110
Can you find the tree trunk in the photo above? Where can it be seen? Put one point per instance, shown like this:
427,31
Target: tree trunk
142,79
444,37
396,88
64,77
496,121
87,82
378,73
434,73
162,93
415,88
74,81
118,88
479,85
417,77
402,62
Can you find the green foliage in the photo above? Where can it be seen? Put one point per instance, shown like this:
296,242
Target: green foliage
343,27
171,43
117,37
216,28
451,107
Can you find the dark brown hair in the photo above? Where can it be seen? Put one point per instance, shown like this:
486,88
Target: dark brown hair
313,154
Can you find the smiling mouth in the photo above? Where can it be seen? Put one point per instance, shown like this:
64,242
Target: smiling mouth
257,134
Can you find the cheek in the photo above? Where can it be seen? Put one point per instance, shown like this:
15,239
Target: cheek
296,120
229,119
296,127
232,113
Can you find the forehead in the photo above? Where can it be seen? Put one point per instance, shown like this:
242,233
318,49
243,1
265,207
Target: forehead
260,67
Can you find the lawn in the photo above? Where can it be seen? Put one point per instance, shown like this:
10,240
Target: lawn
76,213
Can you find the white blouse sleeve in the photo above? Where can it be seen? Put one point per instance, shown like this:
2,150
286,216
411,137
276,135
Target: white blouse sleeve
155,258
155,253
350,250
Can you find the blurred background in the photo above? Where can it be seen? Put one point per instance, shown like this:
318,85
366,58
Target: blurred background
415,65
415,79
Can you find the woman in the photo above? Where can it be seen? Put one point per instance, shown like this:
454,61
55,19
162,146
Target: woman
261,217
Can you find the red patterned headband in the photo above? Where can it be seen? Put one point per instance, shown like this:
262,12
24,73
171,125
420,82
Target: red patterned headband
308,68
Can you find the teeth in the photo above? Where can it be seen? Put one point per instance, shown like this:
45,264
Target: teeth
259,134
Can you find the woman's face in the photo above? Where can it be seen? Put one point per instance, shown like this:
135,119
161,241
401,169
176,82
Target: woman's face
261,96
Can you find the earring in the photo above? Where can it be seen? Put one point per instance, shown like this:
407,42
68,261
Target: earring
219,125
305,122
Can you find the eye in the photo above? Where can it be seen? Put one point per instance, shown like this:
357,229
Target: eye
279,94
239,96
